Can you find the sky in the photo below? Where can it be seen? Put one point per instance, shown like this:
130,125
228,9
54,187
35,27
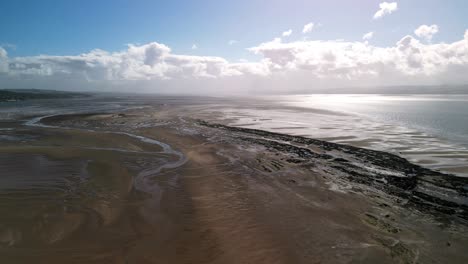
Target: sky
231,46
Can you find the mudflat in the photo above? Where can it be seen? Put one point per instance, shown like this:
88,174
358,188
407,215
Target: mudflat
163,184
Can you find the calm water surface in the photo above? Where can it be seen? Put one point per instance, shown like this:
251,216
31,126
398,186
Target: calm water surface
431,130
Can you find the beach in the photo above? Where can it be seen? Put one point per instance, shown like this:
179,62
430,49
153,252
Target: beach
170,181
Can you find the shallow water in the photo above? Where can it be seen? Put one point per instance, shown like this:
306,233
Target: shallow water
431,130
445,116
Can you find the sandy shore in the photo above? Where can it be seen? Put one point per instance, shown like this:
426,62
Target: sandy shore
234,196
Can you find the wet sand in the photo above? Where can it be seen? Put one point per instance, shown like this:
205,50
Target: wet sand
103,192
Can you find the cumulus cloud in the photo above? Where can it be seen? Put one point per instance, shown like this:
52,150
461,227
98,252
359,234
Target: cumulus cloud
426,32
232,42
360,61
386,8
283,66
143,62
368,35
308,28
287,33
194,46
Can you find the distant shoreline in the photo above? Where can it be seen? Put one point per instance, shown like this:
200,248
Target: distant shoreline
30,94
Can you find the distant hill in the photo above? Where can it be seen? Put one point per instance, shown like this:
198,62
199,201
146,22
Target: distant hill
9,95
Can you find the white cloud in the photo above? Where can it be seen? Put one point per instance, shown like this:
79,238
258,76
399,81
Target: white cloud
386,9
337,60
368,35
232,42
3,53
3,60
194,46
283,66
426,32
142,62
287,33
308,28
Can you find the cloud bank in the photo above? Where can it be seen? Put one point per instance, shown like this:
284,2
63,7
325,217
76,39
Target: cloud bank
283,67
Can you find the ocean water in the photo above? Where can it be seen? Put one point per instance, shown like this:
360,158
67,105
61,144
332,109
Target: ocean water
445,116
430,130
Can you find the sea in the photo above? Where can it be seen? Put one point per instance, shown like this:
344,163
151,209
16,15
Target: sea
429,130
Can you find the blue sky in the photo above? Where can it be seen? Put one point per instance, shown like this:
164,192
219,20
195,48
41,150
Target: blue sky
144,45
60,27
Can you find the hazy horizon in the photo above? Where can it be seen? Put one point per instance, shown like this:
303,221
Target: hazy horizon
384,90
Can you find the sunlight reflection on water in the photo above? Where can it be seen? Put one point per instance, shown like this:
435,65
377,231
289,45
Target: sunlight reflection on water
431,130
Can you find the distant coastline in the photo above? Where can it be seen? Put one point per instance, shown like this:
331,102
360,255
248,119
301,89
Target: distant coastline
15,95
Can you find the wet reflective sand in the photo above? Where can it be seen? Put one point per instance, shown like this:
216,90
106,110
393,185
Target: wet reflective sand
156,185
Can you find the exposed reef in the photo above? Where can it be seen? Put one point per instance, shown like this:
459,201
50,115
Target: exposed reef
442,195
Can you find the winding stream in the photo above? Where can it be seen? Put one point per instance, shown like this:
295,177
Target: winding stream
142,181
